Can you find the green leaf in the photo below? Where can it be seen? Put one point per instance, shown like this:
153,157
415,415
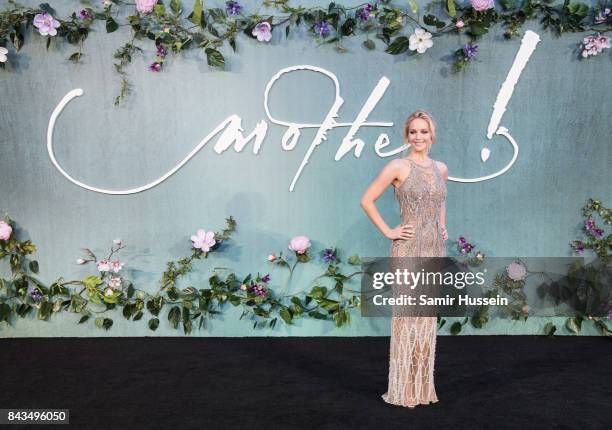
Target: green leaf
398,46
354,260
549,329
450,7
174,316
83,319
368,44
45,310
303,258
574,325
75,58
137,316
478,29
153,324
111,25
317,315
130,291
91,281
5,312
432,20
286,315
456,328
34,266
176,7
348,27
214,58
105,323
196,14
414,7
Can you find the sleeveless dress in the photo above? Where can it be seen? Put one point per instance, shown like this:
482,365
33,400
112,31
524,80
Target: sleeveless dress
421,196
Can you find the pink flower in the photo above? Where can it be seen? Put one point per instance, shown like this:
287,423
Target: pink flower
115,282
116,266
482,5
5,231
594,44
516,271
46,24
203,240
109,292
263,31
145,6
299,244
459,24
271,258
525,309
104,266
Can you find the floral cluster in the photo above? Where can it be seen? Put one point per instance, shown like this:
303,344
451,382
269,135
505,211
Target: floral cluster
365,13
464,246
595,44
233,8
107,267
259,287
159,59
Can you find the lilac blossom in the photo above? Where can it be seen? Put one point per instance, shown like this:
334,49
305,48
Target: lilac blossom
329,256
35,294
233,8
85,15
46,24
258,290
365,13
469,51
322,28
263,31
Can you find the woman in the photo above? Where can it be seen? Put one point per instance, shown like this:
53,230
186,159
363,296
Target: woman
420,188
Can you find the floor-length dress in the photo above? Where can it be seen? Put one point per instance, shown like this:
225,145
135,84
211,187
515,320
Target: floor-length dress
413,339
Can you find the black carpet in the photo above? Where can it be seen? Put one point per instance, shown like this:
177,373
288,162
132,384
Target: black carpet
483,382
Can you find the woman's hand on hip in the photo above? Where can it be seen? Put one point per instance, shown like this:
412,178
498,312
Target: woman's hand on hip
401,232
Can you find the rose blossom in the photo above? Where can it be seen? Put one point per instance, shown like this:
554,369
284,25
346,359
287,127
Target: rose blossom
145,6
104,265
263,31
459,24
299,244
203,240
46,24
516,271
481,5
5,231
116,266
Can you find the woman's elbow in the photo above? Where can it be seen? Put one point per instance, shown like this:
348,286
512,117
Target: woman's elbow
365,203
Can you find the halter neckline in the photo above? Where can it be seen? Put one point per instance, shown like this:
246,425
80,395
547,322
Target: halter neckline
422,167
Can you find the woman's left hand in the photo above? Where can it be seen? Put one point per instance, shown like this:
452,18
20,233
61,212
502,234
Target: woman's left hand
444,233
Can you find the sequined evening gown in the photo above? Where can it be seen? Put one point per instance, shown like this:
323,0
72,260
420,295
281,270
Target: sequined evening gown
413,339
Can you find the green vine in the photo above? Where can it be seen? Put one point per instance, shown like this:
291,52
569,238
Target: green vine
172,29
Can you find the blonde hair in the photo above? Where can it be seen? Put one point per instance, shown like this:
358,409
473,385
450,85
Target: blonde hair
419,113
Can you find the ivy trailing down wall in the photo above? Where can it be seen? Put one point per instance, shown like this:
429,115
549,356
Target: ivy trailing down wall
265,301
171,27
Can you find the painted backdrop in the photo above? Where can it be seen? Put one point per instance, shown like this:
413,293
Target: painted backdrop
559,116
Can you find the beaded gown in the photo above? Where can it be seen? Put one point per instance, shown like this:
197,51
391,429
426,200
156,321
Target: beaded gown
421,197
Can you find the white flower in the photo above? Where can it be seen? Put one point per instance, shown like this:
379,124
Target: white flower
117,242
116,266
203,240
420,41
3,52
263,31
104,265
81,261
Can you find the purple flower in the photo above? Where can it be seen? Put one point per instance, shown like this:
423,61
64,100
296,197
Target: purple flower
46,24
233,8
578,246
258,290
85,15
610,314
365,13
464,246
329,256
597,232
155,67
161,52
266,278
469,51
322,28
35,294
263,31
589,224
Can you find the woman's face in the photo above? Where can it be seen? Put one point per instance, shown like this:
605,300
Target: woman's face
419,135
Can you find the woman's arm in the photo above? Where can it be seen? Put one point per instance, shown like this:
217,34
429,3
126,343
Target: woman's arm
444,172
385,178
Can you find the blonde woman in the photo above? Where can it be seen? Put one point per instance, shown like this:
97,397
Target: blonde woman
420,188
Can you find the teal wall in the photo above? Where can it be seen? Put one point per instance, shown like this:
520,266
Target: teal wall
559,115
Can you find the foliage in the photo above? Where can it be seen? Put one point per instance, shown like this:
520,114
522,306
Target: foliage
173,28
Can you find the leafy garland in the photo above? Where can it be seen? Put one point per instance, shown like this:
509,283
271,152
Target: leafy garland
107,290
174,30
